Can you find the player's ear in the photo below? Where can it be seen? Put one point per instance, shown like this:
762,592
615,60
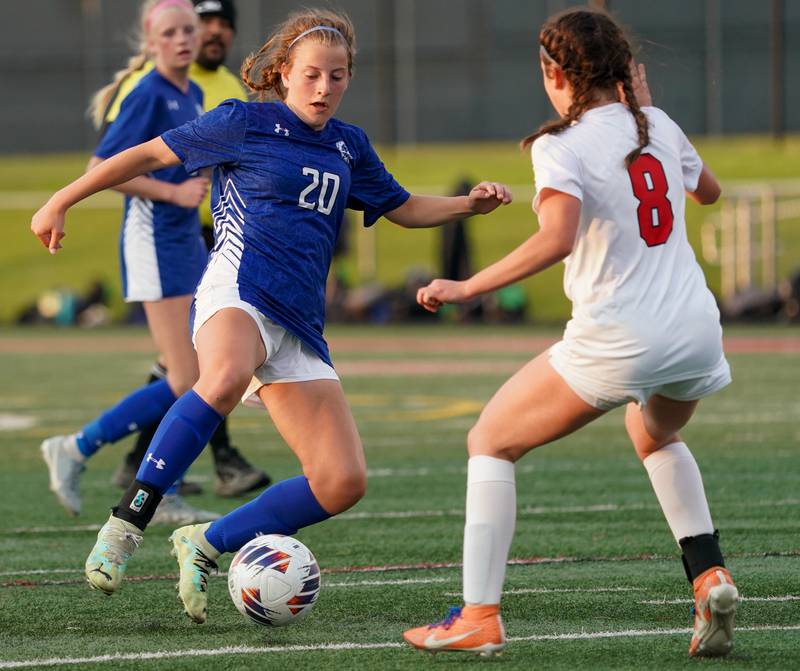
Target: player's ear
285,76
559,77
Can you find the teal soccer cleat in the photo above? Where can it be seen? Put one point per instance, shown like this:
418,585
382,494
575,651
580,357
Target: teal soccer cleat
116,542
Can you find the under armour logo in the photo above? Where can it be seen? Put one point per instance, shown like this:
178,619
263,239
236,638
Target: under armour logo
280,130
347,157
173,105
160,463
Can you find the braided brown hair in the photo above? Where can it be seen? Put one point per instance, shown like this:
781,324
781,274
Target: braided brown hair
261,70
596,57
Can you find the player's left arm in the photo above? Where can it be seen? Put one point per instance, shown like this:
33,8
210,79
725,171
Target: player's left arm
708,189
426,211
559,217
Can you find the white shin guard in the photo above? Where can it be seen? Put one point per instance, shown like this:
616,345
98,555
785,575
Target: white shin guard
491,512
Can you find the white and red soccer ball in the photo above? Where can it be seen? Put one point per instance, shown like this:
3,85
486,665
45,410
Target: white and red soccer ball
274,580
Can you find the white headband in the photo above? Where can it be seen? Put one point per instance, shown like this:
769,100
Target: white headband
312,30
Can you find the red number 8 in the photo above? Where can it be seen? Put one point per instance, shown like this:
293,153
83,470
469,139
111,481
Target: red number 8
650,188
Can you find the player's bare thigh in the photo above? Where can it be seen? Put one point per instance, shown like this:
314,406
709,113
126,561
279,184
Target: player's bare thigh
315,421
168,320
657,424
534,407
229,349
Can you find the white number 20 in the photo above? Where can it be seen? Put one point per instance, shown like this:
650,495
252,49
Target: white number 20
330,183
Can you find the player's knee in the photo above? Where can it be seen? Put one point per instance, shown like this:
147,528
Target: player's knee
482,441
339,490
224,387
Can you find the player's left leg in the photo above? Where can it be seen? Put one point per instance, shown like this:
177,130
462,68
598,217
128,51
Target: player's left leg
678,485
315,420
534,407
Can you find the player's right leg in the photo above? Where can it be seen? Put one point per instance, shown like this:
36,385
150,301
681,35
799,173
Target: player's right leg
678,485
534,407
181,436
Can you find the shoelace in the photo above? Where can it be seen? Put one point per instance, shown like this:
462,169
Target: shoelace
117,555
452,615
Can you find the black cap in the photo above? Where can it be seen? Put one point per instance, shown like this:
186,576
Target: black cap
222,8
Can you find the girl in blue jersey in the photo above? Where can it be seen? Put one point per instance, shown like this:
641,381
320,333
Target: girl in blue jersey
283,173
161,251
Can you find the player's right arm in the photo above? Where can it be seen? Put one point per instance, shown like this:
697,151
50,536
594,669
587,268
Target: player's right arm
48,223
186,194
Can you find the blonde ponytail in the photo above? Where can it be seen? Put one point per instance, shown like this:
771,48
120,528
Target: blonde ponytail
102,99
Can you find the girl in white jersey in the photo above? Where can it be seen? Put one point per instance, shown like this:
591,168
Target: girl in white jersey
610,180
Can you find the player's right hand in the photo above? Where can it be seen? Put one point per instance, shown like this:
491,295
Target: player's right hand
438,292
191,192
48,225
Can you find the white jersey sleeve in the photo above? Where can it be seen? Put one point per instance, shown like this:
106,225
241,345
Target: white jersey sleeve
691,163
555,166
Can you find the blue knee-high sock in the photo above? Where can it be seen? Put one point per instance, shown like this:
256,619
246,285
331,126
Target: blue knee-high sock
144,407
281,509
179,439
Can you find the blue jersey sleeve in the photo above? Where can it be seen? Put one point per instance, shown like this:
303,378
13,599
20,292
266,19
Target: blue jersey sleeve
373,189
215,138
134,124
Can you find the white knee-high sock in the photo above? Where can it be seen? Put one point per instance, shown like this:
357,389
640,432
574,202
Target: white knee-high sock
679,488
491,512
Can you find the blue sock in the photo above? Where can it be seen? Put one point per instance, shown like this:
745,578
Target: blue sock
144,407
179,440
281,509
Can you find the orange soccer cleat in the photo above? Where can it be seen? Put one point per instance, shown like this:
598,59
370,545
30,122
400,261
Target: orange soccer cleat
715,599
469,629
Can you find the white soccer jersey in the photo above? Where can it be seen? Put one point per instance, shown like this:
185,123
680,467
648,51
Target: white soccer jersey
642,313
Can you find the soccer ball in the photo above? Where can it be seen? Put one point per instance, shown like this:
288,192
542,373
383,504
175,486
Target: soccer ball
274,580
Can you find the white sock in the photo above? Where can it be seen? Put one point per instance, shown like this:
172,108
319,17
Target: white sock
679,488
491,512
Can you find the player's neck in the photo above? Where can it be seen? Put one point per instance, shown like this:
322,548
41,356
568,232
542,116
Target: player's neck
178,77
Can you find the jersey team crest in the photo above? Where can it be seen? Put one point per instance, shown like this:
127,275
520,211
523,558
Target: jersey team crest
347,157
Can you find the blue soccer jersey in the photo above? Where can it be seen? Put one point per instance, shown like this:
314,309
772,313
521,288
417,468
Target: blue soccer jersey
279,193
161,250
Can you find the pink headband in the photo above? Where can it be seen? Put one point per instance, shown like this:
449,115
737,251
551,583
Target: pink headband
161,6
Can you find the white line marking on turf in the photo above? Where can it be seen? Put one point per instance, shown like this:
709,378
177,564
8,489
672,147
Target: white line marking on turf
452,512
326,647
14,422
756,599
564,590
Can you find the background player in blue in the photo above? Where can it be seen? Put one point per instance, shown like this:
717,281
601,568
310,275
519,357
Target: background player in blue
161,251
284,172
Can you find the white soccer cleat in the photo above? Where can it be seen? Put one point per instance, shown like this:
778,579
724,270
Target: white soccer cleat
196,559
105,566
65,471
173,510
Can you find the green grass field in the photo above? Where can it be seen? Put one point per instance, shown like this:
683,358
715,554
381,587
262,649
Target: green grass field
91,247
597,582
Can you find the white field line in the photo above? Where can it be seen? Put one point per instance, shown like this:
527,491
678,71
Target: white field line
754,599
327,647
564,590
451,512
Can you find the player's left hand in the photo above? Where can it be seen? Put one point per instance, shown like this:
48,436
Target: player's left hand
439,292
488,196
